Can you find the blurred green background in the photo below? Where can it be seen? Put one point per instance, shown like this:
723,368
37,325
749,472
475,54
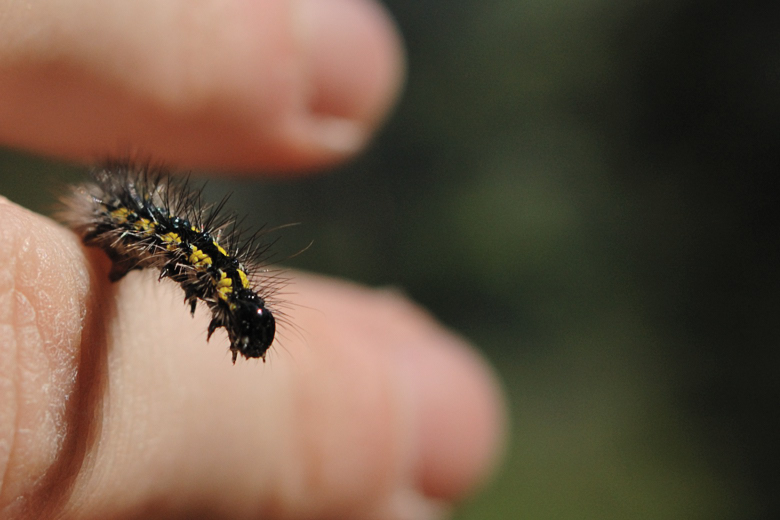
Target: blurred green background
586,191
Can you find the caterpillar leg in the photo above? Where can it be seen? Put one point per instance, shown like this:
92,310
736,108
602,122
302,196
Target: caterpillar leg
214,325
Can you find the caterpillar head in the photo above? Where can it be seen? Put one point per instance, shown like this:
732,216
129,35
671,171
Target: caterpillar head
252,326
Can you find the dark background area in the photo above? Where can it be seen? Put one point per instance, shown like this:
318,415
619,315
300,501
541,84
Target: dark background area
587,191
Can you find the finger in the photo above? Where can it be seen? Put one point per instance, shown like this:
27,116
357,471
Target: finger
371,411
44,373
272,83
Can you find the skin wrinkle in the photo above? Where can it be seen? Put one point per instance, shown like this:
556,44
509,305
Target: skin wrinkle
10,270
49,437
90,387
35,284
8,385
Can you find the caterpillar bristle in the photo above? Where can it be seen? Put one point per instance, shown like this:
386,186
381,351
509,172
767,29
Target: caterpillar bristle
143,217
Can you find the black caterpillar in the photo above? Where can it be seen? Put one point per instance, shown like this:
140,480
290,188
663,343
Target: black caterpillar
144,218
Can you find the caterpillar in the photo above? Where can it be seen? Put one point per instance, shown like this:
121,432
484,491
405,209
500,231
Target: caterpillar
142,217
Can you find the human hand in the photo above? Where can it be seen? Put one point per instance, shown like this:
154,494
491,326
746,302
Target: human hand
112,405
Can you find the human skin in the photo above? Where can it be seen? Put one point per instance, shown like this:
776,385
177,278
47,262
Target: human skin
112,404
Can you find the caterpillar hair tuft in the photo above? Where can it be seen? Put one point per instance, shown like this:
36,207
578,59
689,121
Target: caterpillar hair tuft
143,217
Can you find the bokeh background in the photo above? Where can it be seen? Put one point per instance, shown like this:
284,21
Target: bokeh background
586,190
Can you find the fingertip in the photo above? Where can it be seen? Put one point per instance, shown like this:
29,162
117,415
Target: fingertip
459,412
461,443
348,69
450,404
353,54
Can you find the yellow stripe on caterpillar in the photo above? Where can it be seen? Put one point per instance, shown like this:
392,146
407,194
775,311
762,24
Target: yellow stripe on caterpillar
220,248
120,215
172,240
224,285
198,258
145,225
243,278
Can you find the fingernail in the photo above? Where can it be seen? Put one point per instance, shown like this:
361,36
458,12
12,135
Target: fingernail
340,136
353,66
408,504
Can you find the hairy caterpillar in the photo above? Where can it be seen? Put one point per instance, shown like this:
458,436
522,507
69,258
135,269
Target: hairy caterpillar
144,218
